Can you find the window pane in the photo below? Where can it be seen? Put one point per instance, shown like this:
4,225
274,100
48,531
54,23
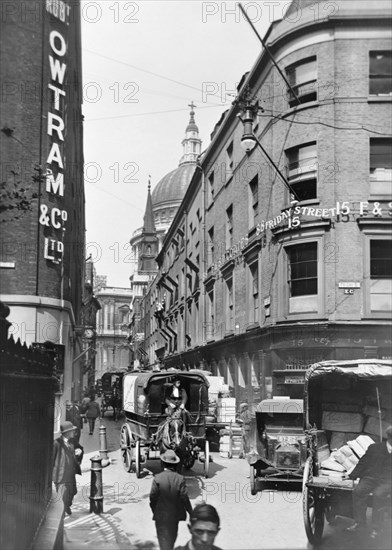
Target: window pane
380,63
306,72
380,85
303,80
380,73
381,259
307,152
305,190
304,287
380,153
303,269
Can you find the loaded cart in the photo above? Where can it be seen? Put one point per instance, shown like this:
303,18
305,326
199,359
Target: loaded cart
149,429
347,407
111,387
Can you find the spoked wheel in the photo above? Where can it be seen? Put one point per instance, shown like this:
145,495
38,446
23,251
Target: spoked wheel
206,459
313,508
126,449
253,490
136,456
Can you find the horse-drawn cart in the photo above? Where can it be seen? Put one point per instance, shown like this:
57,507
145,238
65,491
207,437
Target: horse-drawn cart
111,391
149,430
347,405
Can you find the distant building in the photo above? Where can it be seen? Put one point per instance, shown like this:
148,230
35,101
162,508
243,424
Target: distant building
146,242
113,319
43,204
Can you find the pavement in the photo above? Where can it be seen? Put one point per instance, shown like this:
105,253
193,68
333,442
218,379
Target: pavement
84,529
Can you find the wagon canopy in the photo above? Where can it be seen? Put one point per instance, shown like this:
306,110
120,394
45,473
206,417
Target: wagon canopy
359,368
347,390
109,377
151,384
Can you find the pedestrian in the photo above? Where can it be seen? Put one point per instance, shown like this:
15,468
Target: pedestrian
67,457
86,400
169,500
73,414
204,527
374,473
92,413
245,418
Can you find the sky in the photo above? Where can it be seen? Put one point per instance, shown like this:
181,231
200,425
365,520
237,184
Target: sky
143,64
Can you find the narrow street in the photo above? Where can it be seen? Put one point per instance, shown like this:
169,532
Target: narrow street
269,520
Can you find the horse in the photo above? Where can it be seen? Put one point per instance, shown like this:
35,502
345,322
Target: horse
114,401
172,434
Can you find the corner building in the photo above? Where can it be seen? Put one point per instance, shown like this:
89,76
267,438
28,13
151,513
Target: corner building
258,287
41,145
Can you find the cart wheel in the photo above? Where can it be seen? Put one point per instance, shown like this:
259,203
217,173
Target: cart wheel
313,508
136,451
253,490
206,458
126,450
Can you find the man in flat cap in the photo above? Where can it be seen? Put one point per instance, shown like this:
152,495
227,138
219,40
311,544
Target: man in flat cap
67,456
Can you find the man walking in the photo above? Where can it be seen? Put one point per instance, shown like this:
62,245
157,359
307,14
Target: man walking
169,500
67,456
245,419
74,416
92,413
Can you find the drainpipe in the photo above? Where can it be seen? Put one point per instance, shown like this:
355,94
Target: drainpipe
186,279
203,313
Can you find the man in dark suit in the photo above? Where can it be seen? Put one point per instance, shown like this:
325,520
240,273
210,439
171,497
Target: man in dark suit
67,456
169,500
73,415
374,470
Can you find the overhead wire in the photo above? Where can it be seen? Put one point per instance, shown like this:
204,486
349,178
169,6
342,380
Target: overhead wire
149,90
149,113
321,123
144,70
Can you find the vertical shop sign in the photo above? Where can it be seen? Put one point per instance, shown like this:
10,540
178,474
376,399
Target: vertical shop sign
54,218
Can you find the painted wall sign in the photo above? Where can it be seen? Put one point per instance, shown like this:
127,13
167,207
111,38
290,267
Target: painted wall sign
231,253
340,212
54,219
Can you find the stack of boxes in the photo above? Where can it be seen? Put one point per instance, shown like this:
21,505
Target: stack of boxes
342,461
230,442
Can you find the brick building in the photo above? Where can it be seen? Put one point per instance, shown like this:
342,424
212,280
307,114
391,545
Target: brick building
257,286
41,148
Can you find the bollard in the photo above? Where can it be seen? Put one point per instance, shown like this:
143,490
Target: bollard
96,492
103,451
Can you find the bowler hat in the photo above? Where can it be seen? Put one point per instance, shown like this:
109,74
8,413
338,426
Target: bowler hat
170,457
67,427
